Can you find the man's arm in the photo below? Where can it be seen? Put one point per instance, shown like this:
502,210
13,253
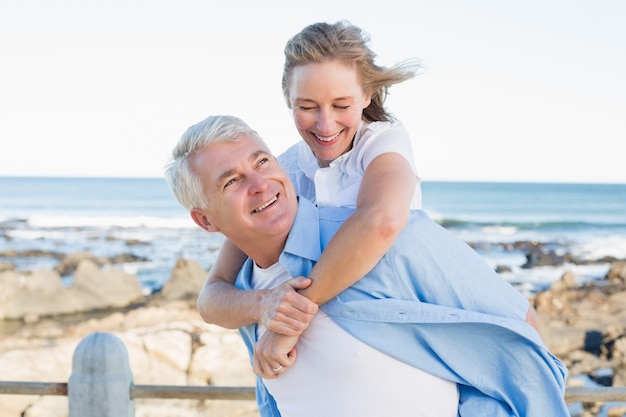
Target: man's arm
281,309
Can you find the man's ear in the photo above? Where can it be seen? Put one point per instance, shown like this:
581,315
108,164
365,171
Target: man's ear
201,220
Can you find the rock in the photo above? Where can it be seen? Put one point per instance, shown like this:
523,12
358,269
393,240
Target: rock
34,294
503,268
617,272
97,288
567,281
616,411
185,282
542,257
31,295
172,346
167,344
70,262
6,266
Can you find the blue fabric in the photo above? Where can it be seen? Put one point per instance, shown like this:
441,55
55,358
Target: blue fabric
435,304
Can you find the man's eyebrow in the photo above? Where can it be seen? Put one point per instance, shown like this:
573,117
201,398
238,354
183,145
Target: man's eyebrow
230,172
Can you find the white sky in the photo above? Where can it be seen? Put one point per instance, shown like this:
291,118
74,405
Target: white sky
530,90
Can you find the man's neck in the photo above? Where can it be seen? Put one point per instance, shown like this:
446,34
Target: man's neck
266,254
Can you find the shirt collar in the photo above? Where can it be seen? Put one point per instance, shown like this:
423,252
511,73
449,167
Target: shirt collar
304,236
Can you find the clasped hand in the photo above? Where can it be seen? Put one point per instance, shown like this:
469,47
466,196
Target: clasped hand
285,315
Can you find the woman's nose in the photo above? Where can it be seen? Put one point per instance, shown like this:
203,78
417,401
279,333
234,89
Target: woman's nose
325,122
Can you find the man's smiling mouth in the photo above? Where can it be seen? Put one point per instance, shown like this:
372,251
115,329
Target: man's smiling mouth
266,205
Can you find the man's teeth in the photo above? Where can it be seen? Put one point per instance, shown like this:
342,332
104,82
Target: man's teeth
261,208
327,139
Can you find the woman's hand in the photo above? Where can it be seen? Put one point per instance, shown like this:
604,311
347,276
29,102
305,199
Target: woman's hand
286,312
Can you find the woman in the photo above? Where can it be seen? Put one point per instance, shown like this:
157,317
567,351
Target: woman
336,93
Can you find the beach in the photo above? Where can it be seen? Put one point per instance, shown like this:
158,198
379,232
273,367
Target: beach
168,344
562,245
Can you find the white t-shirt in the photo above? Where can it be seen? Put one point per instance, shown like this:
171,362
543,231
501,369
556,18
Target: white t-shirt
337,375
338,185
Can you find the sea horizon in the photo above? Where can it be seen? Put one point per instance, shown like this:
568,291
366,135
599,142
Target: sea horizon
113,215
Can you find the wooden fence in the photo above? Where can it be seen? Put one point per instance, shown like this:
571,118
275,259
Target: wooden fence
105,388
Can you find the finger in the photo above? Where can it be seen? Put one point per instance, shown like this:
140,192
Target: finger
297,300
300,283
288,326
263,368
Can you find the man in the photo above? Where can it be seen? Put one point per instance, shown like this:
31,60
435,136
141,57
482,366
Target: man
415,307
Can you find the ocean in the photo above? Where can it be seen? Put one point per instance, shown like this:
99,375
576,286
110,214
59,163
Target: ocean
115,216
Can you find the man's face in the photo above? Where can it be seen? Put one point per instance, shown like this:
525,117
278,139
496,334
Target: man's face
251,198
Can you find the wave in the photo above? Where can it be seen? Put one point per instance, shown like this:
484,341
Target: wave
455,223
100,222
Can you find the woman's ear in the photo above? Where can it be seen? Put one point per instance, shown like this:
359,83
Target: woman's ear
368,99
201,220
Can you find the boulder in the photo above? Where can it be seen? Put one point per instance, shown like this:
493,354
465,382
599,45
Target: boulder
617,271
185,282
70,262
98,289
6,266
167,345
30,295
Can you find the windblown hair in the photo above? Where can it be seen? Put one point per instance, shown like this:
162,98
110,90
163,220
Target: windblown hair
183,182
323,42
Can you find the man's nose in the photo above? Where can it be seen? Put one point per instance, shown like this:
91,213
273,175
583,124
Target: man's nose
258,183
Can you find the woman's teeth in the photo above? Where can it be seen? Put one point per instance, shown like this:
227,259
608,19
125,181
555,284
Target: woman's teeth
327,138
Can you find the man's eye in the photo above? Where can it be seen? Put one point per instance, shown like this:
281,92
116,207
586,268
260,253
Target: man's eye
263,161
229,182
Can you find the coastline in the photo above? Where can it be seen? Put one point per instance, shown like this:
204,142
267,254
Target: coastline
168,344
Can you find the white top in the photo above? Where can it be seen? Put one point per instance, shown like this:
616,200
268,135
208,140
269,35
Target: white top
337,375
338,184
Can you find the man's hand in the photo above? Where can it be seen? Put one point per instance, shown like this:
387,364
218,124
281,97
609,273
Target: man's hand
284,310
273,354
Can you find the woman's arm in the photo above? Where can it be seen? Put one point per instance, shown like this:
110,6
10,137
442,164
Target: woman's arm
281,309
382,211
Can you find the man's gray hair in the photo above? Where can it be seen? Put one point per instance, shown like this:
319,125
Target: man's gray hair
185,185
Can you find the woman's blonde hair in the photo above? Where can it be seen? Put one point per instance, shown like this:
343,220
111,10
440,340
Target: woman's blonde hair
323,42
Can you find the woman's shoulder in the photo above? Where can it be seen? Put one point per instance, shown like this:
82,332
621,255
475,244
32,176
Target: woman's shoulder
377,128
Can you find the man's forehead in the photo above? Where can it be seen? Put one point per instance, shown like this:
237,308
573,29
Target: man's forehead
226,157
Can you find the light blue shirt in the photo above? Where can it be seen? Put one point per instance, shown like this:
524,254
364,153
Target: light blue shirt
434,303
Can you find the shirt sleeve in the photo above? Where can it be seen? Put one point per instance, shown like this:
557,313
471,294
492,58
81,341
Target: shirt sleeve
380,138
383,137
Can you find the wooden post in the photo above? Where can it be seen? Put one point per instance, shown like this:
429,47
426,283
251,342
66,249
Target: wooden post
101,378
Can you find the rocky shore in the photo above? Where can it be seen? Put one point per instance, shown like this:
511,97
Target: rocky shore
42,322
167,342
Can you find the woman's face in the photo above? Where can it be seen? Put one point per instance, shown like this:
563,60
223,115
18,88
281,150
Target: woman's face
327,101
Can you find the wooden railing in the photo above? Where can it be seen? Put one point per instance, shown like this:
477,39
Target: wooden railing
90,374
572,395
